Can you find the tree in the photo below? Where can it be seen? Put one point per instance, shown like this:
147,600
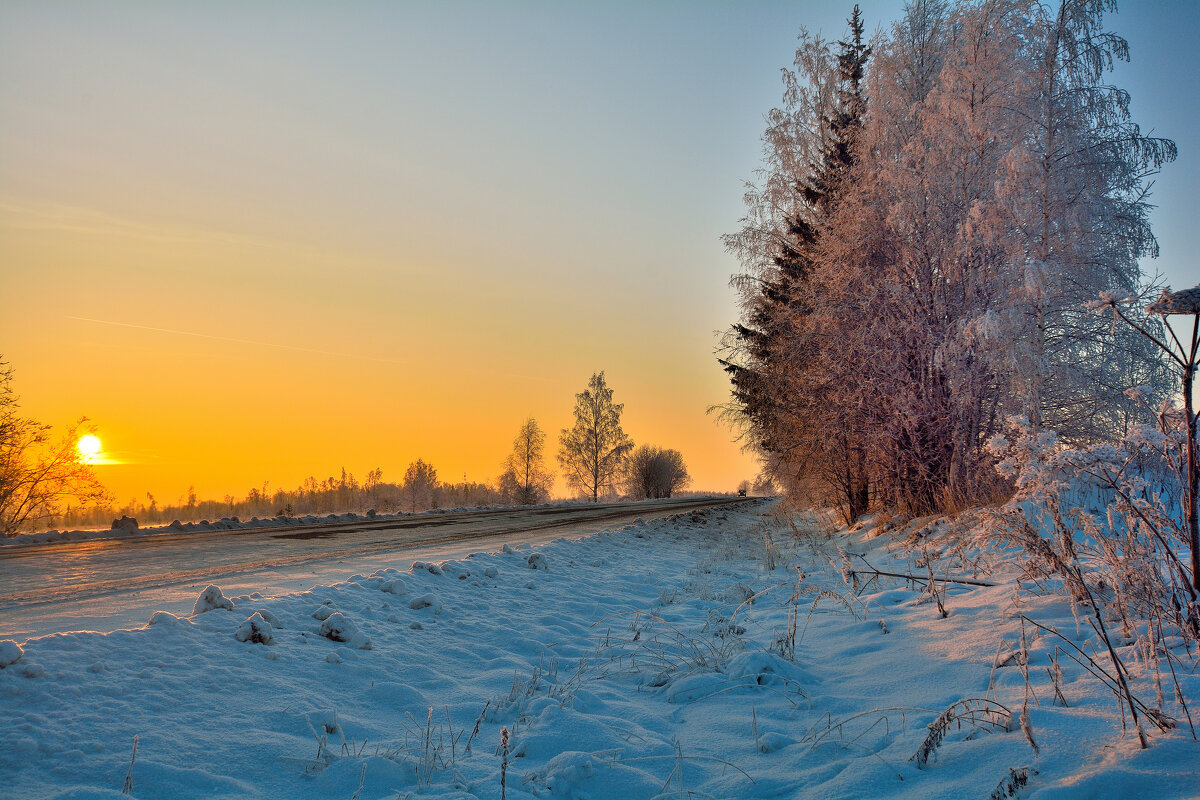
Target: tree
525,480
652,472
593,452
997,184
780,384
764,486
420,481
38,476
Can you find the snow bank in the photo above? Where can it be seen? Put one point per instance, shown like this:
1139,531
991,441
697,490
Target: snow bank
636,667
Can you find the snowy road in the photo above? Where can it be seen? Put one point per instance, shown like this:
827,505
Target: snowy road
108,584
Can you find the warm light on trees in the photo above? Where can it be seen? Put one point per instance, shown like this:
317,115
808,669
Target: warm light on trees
525,480
653,472
420,481
39,477
593,451
920,254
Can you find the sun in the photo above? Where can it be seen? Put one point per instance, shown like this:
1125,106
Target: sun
89,447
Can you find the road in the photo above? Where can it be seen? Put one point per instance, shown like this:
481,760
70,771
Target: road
106,584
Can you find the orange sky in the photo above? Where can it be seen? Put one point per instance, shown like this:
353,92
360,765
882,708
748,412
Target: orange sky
257,245
222,360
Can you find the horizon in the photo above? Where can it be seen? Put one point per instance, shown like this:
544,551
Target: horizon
263,243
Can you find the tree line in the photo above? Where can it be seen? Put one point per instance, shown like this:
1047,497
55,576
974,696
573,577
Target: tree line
935,211
44,482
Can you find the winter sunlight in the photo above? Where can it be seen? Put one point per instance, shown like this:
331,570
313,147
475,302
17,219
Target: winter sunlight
498,401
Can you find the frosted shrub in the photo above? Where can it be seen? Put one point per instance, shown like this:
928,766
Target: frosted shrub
1090,519
1092,513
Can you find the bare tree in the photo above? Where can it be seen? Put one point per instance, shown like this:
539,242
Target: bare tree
652,472
593,451
38,475
525,480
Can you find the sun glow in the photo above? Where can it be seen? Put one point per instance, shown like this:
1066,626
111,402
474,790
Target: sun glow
89,448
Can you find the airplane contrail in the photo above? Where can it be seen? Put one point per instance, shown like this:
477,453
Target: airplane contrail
235,340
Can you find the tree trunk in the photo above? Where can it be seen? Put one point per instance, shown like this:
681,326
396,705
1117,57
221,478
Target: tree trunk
1193,469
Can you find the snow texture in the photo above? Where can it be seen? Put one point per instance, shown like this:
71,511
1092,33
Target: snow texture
10,653
636,668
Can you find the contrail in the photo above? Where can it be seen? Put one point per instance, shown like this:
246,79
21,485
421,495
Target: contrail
234,340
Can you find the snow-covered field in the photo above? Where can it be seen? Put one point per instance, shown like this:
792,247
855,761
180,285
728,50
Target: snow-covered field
655,660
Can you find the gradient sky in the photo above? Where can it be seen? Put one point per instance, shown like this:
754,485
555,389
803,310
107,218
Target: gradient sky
260,241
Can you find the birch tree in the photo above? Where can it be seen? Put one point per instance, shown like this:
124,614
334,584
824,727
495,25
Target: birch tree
593,451
994,183
525,480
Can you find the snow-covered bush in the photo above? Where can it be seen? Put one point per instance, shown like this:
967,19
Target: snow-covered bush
338,628
211,598
256,629
1089,519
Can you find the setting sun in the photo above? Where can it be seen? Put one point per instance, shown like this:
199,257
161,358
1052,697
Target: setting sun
89,447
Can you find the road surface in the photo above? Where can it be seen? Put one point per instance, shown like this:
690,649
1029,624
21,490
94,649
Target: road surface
106,584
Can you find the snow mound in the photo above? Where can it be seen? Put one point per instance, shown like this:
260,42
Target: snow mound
256,629
394,586
336,627
10,653
425,601
771,741
125,525
565,771
430,567
537,561
164,618
211,598
269,617
324,612
490,572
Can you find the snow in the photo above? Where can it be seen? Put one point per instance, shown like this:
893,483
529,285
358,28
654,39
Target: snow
211,598
10,653
256,629
658,659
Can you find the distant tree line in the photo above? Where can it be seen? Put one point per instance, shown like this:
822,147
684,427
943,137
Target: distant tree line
598,460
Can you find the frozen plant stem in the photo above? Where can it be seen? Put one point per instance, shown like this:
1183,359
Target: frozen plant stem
503,762
129,775
1187,361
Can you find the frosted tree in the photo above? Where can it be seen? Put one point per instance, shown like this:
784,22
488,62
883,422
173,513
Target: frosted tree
525,480
810,146
1073,206
592,452
420,481
930,279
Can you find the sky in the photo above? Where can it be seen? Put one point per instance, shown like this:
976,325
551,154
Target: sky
261,241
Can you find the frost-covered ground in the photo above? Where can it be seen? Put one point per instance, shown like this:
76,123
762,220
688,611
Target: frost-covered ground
652,660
